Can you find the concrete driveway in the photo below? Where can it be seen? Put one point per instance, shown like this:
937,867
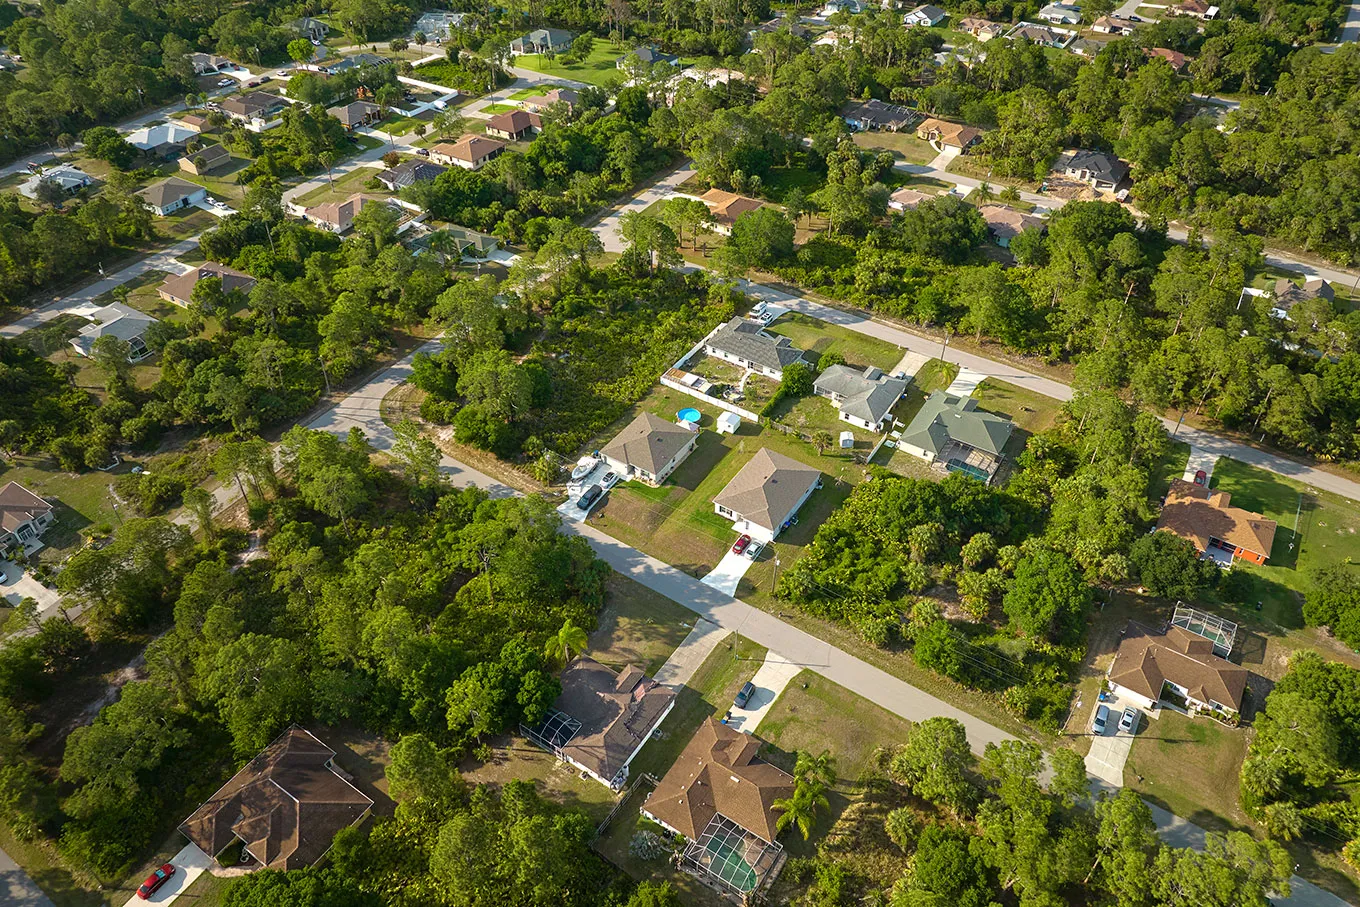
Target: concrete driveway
1109,751
1200,459
19,585
966,382
727,575
189,864
769,682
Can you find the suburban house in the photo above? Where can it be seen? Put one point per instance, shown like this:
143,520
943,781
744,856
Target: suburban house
720,797
948,135
864,398
1114,25
850,7
1043,35
925,15
357,61
543,41
195,121
1176,666
1085,47
1174,58
1195,9
408,173
647,55
23,518
285,806
356,114
764,496
70,179
436,24
1286,294
1099,169
1061,14
171,195
454,241
602,718
1218,530
540,103
906,199
951,432
982,29
649,448
254,109
180,288
115,321
1004,223
514,125
470,152
164,141
311,29
770,26
205,160
745,343
874,114
337,217
726,207
207,63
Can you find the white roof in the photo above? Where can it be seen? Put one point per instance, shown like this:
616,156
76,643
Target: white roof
149,137
729,419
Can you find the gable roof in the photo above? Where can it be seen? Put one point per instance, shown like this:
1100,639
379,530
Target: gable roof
946,417
409,172
168,191
550,36
766,489
869,395
286,805
354,113
18,505
113,321
947,133
181,286
616,711
1289,294
340,214
1197,514
718,773
552,96
880,113
252,104
1006,222
211,155
748,340
1146,659
649,442
928,12
649,54
1100,165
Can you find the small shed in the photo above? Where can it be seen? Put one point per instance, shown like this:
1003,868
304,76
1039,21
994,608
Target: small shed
728,423
847,439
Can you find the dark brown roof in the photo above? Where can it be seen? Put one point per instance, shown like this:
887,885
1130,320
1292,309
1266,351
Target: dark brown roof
182,286
514,122
18,505
286,805
718,773
1146,659
616,711
1195,513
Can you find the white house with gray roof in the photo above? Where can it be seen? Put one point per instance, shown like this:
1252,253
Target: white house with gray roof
746,344
115,321
951,432
649,449
863,398
764,496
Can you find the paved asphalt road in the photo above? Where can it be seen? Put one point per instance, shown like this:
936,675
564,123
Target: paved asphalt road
16,888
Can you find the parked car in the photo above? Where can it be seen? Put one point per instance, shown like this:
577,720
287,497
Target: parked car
154,881
1201,477
744,695
1102,718
423,152
1129,720
741,544
608,479
754,551
223,83
284,73
590,497
439,105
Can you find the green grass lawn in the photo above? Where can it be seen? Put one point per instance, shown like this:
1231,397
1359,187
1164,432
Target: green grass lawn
82,499
365,143
500,108
533,92
904,146
343,186
1031,412
783,180
638,626
1189,766
1171,467
185,223
600,68
816,337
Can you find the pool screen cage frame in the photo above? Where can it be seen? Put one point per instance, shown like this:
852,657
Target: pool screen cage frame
1222,633
554,732
759,856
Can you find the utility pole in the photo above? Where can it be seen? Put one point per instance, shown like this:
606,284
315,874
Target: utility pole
324,374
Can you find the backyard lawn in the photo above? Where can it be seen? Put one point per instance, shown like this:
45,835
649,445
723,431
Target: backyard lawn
816,337
600,68
905,146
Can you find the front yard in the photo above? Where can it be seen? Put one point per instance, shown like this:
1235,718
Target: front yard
340,188
816,337
599,68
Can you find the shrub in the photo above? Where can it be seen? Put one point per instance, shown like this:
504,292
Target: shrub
648,845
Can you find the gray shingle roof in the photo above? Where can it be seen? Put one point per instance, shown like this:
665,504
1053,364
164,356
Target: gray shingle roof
945,417
765,490
1101,165
648,443
749,341
869,395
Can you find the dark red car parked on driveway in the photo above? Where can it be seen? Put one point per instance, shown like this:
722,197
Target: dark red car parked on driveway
154,881
741,544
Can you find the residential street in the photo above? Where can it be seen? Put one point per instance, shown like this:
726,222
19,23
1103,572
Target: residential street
16,888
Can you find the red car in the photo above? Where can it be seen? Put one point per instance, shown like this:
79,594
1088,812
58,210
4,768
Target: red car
1201,477
741,544
154,881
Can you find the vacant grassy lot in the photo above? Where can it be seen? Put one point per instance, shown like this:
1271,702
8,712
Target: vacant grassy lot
817,337
638,626
340,188
905,146
600,68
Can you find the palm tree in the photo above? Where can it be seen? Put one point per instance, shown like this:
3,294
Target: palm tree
985,193
800,810
820,768
1010,194
821,439
568,639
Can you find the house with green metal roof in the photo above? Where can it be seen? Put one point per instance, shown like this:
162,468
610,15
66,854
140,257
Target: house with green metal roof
951,433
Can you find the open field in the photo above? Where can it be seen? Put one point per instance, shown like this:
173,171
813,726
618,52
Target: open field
904,146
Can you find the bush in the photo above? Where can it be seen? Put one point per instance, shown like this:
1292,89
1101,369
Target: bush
648,845
903,826
150,494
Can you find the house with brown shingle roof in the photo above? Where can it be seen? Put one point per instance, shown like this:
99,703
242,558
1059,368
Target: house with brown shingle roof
205,160
947,134
23,517
1176,664
765,494
649,448
602,718
726,207
514,125
285,806
718,788
180,288
337,217
982,29
1217,529
356,114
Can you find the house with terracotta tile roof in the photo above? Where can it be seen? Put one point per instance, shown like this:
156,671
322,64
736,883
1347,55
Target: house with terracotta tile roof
948,135
726,207
1217,529
1177,666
